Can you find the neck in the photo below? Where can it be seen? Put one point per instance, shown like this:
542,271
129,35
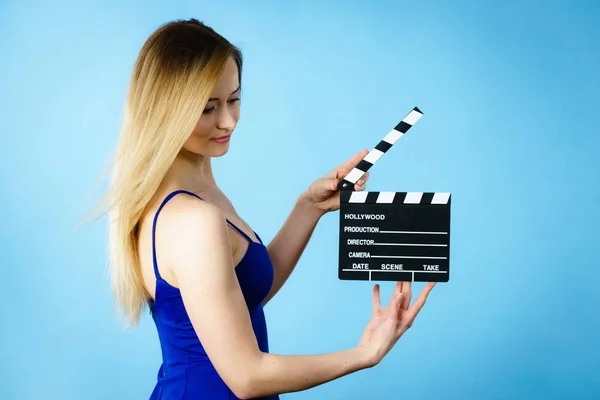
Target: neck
191,172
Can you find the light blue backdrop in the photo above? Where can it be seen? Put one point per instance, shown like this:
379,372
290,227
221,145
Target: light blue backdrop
510,92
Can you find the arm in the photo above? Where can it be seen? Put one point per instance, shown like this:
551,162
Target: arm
321,197
198,253
288,245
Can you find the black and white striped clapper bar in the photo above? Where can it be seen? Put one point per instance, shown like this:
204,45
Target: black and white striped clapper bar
393,236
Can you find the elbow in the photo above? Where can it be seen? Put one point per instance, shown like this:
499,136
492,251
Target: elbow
246,384
244,388
242,394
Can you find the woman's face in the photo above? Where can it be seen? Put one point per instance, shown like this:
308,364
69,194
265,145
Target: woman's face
212,133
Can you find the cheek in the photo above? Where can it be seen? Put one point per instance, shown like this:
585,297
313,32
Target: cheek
202,128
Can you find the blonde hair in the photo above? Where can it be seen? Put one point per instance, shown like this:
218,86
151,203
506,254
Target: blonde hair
173,77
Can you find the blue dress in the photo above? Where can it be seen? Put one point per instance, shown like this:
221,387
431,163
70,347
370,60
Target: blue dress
186,372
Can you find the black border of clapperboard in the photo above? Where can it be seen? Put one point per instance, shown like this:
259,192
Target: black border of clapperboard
346,187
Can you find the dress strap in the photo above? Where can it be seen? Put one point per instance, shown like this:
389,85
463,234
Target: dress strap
258,237
241,232
169,197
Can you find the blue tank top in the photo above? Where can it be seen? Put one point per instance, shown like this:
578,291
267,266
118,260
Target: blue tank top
186,371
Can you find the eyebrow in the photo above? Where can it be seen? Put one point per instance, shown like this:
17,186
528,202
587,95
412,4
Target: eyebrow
216,98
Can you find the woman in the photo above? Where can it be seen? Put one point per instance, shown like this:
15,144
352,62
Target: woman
178,246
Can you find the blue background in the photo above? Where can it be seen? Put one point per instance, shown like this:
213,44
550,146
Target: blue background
510,92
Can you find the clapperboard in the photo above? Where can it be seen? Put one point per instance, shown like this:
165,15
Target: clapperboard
393,236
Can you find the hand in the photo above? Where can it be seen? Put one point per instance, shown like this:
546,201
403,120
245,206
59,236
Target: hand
389,324
324,193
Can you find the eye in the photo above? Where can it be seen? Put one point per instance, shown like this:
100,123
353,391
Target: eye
211,109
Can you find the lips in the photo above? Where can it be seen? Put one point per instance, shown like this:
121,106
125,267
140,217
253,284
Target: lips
221,139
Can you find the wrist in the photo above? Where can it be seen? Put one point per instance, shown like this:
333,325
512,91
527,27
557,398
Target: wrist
308,207
366,357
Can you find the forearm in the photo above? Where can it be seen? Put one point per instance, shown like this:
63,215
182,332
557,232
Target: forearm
288,245
278,374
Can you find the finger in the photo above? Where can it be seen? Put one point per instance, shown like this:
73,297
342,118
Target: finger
376,298
363,179
407,291
346,167
354,160
361,184
393,307
418,304
396,300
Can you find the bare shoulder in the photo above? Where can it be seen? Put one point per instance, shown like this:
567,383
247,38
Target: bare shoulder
193,233
184,211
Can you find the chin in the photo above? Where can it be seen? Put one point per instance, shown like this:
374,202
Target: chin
220,151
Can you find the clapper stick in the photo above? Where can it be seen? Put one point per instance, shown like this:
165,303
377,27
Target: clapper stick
384,145
393,236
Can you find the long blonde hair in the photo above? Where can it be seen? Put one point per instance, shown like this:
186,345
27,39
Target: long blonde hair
172,80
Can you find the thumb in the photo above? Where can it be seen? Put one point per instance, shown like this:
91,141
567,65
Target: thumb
326,184
334,182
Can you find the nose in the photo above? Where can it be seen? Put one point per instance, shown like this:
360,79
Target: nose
226,119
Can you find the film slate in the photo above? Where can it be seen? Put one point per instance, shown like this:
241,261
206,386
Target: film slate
393,236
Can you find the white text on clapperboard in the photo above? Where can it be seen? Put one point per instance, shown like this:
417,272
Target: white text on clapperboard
371,242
